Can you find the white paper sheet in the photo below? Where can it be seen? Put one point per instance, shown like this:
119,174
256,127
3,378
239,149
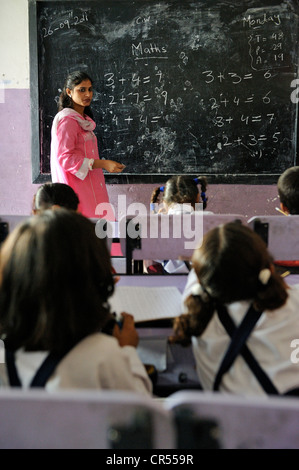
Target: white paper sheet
146,303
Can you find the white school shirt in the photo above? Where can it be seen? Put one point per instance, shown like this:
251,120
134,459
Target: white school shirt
96,362
269,342
192,280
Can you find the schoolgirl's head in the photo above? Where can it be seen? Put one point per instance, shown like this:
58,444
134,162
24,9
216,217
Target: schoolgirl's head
229,262
232,264
71,95
182,190
288,190
53,195
55,282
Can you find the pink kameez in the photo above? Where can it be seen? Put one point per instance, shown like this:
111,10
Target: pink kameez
73,149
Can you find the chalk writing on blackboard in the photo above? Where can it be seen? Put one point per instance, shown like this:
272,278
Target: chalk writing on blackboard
65,24
180,87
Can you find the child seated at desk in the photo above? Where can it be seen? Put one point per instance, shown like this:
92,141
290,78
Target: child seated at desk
55,285
178,191
54,196
288,191
180,196
236,280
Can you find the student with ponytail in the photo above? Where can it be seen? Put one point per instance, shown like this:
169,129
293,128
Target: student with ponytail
241,318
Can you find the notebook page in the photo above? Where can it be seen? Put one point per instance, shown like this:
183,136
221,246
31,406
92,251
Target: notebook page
146,303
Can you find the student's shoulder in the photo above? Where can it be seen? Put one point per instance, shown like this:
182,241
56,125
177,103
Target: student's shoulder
92,346
294,289
92,351
98,341
293,298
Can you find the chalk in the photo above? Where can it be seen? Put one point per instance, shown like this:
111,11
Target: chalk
286,273
279,210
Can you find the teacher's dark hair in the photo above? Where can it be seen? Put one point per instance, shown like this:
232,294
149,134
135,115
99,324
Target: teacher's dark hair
55,282
72,80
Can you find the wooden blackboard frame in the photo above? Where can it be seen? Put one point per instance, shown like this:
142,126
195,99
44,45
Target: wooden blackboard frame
36,158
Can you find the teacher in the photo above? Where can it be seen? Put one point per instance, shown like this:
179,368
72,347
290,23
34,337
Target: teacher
74,150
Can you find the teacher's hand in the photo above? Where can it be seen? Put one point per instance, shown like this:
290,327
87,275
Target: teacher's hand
112,166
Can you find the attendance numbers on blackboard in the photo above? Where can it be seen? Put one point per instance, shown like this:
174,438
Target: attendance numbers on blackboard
266,50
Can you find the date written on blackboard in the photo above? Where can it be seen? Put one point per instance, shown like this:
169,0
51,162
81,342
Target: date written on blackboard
67,23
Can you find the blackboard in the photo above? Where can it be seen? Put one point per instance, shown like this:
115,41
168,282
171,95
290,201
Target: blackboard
181,87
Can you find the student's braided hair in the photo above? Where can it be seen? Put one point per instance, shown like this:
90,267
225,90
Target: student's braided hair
156,193
182,190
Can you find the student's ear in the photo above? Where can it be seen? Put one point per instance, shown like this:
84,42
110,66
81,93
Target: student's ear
284,208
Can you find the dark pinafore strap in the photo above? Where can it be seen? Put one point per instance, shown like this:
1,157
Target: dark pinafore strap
238,346
42,375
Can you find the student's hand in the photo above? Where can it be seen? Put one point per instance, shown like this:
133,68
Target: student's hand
162,210
112,166
127,335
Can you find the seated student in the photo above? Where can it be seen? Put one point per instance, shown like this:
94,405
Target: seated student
179,193
180,196
236,279
53,195
288,191
55,284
